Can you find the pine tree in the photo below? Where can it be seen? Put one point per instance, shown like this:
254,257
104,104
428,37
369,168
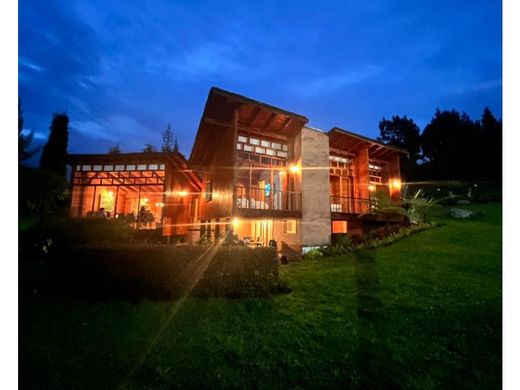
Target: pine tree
167,136
55,150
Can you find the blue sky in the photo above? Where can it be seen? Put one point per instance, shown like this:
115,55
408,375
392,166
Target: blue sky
123,69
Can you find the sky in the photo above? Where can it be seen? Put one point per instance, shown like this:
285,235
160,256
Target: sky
123,70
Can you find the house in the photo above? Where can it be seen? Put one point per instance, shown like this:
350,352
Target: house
255,171
270,178
150,190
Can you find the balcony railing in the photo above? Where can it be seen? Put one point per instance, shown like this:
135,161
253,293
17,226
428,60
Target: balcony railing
267,199
345,204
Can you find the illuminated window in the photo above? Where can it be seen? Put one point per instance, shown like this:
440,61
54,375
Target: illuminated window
290,226
265,144
254,141
242,139
270,152
141,167
130,167
161,167
276,146
97,168
259,150
281,154
239,146
108,168
248,148
153,167
120,168
86,167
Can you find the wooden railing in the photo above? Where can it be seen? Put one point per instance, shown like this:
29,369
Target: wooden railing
267,199
345,204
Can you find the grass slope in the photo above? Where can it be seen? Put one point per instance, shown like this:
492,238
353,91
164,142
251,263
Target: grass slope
423,313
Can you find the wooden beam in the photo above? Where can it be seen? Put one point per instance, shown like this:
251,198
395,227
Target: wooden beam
216,122
269,121
285,124
253,117
341,152
260,133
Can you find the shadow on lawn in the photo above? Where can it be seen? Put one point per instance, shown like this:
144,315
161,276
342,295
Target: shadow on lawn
373,358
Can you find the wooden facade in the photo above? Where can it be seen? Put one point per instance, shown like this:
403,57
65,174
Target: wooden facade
149,190
254,169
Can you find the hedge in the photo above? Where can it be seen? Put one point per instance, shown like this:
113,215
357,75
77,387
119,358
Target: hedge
146,271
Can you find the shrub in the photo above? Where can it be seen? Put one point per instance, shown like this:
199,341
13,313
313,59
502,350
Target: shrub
153,271
64,231
313,254
40,191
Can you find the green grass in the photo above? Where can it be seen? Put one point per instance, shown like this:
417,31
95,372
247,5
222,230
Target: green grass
423,313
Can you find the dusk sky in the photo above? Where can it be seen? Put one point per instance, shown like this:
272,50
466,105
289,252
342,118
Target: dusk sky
123,69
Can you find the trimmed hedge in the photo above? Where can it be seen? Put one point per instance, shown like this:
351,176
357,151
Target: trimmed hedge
157,272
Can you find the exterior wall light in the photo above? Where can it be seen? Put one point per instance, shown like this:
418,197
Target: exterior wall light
396,185
236,222
371,188
294,169
182,193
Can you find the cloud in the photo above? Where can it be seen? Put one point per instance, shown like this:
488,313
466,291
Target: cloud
336,81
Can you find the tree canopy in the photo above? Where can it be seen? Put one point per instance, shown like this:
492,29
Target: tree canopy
55,150
404,133
24,141
451,146
114,149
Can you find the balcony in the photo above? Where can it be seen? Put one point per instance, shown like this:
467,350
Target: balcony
349,205
256,202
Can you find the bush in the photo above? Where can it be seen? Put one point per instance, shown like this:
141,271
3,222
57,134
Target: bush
313,254
40,191
64,231
158,271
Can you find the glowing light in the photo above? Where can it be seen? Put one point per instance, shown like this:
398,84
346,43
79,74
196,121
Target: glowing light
182,193
396,184
159,204
294,169
110,193
371,188
145,200
236,222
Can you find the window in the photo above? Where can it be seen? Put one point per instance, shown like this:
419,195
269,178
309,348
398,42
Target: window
242,139
290,226
209,191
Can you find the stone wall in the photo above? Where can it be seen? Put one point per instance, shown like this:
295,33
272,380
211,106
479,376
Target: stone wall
315,223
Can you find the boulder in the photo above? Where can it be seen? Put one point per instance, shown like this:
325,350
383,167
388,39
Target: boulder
461,213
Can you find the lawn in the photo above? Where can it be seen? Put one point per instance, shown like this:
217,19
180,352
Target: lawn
423,313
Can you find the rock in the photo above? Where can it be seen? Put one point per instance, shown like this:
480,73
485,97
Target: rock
463,201
461,213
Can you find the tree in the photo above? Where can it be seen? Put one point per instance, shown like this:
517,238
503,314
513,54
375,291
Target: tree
55,150
452,144
176,146
403,133
114,149
491,145
149,148
24,141
167,137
